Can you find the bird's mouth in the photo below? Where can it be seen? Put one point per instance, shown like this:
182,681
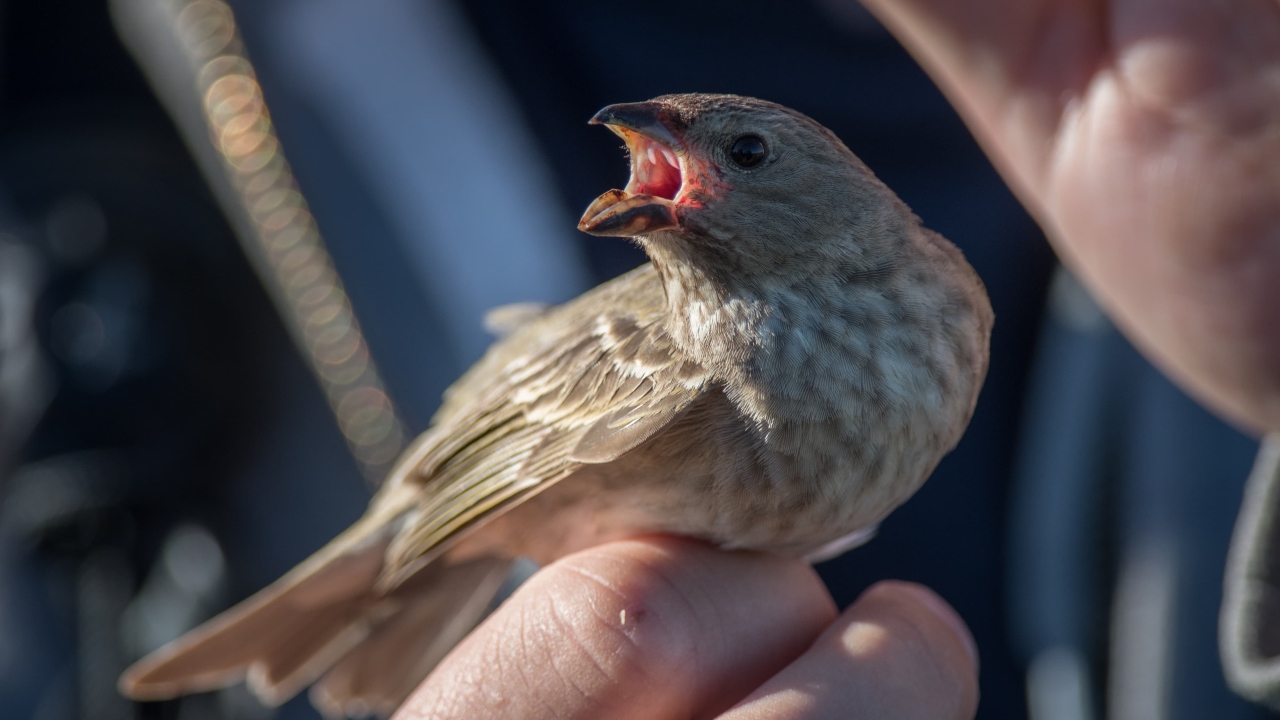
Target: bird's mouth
655,167
658,170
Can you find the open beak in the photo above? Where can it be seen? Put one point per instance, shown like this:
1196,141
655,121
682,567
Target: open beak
648,203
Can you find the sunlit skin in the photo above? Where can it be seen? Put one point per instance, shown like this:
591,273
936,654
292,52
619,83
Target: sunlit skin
662,628
1145,137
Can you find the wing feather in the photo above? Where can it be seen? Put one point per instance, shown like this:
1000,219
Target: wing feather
581,384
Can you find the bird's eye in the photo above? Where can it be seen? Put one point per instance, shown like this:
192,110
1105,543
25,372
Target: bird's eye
747,151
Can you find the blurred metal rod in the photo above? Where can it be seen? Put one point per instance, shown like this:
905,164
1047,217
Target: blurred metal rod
1249,626
192,53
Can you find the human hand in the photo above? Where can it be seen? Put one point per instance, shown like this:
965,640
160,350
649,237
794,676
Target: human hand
668,628
1145,137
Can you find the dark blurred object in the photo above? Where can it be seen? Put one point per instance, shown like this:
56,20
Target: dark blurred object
192,53
1250,624
434,198
165,363
1125,496
25,382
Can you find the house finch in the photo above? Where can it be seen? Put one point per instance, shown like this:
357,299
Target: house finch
790,367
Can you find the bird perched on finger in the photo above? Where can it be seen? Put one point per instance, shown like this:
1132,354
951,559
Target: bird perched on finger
796,359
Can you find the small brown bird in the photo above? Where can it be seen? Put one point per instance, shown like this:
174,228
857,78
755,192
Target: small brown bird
789,369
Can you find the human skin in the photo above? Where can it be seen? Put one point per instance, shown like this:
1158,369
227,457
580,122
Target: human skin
1145,137
663,627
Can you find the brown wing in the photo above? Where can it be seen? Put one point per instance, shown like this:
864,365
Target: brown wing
583,384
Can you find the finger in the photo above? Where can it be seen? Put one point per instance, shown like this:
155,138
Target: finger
1138,135
1008,67
899,652
652,628
1017,65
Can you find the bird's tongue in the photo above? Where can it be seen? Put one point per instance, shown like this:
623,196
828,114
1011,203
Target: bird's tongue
655,169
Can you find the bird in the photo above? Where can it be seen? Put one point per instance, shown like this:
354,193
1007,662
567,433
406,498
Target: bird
789,367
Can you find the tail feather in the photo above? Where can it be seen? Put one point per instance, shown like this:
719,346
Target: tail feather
329,616
289,666
433,611
312,604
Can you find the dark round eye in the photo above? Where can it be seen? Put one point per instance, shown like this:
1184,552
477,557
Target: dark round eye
747,151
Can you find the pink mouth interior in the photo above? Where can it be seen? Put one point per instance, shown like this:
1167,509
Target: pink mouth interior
655,169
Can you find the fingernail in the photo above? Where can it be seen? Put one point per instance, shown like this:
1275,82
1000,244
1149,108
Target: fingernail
946,614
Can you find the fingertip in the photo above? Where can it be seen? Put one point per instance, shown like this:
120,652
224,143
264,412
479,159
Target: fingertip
943,640
933,602
899,651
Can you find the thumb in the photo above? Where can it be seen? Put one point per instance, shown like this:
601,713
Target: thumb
899,652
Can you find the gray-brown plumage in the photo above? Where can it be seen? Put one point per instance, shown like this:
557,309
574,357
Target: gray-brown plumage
790,368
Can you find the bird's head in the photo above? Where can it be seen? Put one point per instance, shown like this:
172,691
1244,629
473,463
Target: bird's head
740,182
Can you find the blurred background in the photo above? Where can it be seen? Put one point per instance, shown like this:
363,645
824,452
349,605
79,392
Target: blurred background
244,247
